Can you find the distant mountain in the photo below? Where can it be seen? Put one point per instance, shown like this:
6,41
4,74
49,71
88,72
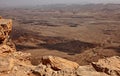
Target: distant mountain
100,7
79,7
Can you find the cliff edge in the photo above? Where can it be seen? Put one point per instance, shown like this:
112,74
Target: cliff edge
14,63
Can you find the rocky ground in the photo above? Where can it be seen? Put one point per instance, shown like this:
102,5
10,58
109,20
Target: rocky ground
83,36
15,63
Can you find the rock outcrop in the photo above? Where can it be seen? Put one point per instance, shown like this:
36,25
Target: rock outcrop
88,70
58,63
5,29
6,49
111,66
13,63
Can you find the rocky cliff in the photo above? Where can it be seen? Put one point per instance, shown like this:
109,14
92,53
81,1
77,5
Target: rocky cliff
14,63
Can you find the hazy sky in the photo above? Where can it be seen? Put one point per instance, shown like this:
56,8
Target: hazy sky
39,2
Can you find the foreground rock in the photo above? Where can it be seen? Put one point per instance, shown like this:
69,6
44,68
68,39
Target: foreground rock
6,49
88,70
13,64
111,66
5,29
58,63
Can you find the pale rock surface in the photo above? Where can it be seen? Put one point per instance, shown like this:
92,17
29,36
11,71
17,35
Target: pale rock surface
58,63
6,64
6,49
48,71
110,65
88,70
5,30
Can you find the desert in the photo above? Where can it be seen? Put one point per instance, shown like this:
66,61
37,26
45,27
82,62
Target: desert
83,38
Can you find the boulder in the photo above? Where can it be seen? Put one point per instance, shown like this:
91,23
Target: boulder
58,63
110,66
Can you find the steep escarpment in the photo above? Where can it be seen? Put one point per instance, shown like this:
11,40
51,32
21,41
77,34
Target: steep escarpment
14,63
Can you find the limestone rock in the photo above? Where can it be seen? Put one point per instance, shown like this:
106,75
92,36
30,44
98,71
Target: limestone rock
58,63
5,29
6,49
21,56
44,70
13,64
111,65
6,64
88,70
